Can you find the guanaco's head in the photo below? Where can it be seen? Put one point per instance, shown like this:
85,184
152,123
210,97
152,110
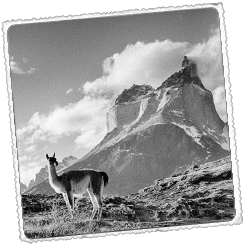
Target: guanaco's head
52,160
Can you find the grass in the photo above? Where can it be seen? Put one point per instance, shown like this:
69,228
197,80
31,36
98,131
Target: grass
54,223
170,202
57,222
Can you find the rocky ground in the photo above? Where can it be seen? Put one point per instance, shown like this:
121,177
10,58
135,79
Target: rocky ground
200,194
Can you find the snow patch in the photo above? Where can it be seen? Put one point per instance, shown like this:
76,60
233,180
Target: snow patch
143,106
164,100
178,113
221,139
191,131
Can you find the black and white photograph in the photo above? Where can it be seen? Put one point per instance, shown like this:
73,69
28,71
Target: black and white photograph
121,122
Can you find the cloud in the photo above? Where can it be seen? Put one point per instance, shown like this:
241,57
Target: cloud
23,158
24,60
28,170
208,56
21,68
29,166
137,64
220,102
87,115
91,137
69,91
31,148
152,63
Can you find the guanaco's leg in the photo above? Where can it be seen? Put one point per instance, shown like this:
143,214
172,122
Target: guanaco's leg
93,200
99,204
67,201
98,195
96,191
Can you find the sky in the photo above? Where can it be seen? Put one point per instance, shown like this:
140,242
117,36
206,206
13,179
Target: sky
65,75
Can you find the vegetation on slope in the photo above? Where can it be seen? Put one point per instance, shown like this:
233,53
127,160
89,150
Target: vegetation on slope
200,194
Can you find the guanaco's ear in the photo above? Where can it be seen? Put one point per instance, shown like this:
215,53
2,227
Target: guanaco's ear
54,155
47,156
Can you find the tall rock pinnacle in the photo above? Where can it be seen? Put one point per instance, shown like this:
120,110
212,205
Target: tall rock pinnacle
185,62
186,75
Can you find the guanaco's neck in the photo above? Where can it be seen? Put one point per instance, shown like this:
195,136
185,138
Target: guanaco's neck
52,173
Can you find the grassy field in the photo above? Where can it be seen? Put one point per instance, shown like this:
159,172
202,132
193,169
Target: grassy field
57,223
198,195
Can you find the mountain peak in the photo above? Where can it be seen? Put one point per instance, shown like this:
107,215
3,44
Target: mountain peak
187,74
134,93
185,62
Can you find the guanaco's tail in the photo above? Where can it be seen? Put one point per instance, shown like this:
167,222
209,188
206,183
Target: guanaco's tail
105,178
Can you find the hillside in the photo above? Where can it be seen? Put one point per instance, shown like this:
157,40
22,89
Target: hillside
198,195
152,132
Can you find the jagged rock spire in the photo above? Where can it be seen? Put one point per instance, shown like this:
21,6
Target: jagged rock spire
187,74
185,62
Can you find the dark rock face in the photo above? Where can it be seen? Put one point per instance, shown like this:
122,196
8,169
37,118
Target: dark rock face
185,62
186,75
151,136
134,93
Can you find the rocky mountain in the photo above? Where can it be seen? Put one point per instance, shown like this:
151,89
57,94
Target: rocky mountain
42,175
23,188
152,133
136,92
